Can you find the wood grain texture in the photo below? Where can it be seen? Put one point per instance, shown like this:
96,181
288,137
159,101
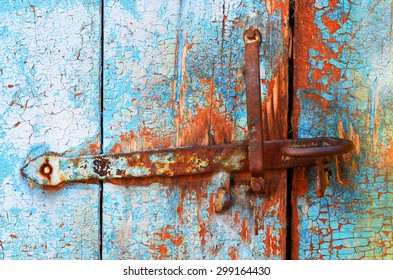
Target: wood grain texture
173,76
343,85
49,101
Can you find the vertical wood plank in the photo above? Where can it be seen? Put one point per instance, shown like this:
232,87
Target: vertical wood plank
343,85
174,77
49,101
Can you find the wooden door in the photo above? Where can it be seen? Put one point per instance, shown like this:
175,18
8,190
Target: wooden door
173,77
49,101
343,87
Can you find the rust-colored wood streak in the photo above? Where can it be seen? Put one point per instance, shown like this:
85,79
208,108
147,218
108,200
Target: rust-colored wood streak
343,88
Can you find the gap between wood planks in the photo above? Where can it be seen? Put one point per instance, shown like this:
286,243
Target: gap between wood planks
288,254
101,196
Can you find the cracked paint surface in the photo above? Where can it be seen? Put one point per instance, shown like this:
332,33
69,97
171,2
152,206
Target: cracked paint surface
173,77
343,83
49,88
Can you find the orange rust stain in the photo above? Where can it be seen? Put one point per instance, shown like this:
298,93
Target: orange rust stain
332,25
10,86
164,234
163,251
202,232
211,208
333,3
273,5
237,218
237,22
177,242
340,247
116,148
273,243
275,107
270,6
144,138
308,35
239,88
245,232
94,148
299,190
14,236
344,18
180,207
31,185
206,125
17,124
233,254
319,100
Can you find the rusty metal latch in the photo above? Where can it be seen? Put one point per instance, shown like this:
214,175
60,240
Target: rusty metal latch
254,155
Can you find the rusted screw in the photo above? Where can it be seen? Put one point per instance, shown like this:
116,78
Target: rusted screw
252,35
257,185
223,200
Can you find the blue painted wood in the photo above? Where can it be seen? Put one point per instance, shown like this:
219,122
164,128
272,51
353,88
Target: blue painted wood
173,76
344,82
49,95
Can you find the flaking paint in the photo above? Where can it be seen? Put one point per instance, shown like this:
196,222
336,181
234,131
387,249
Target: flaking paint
48,110
343,85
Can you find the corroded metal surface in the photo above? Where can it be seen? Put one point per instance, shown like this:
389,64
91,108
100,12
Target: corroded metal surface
252,40
49,68
53,169
343,84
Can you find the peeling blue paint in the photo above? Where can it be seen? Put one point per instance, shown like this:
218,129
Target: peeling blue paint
355,220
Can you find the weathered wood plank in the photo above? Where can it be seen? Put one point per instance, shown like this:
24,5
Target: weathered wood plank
49,95
343,84
174,77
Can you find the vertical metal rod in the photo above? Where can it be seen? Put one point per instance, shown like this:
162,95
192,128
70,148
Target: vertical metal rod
252,39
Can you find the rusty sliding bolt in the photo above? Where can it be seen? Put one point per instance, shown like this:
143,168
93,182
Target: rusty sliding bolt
54,169
254,155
